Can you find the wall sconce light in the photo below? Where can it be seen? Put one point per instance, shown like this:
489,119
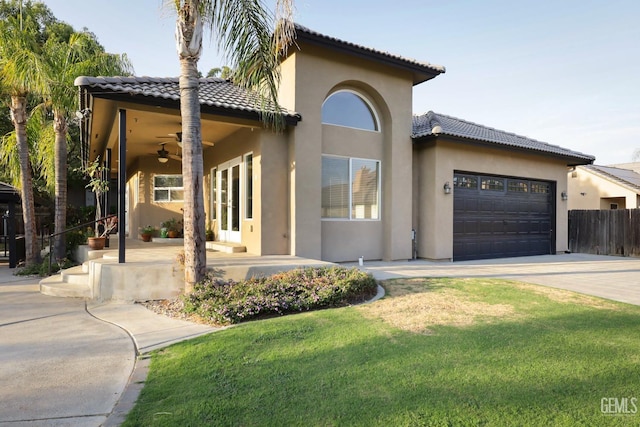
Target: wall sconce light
564,195
83,114
447,188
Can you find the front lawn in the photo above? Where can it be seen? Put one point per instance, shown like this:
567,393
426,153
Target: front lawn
434,352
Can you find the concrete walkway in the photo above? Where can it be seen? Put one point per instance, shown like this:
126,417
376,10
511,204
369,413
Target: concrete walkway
66,363
615,278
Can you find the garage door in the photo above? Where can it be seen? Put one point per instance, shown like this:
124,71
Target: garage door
497,217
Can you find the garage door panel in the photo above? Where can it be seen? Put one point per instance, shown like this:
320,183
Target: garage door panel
491,223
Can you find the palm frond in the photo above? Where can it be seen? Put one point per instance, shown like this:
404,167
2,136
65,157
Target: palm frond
10,159
252,38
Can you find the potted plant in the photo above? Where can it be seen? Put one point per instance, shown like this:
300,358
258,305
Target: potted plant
147,233
173,227
99,185
209,235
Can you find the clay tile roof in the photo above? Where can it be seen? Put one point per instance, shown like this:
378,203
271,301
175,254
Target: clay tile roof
214,92
432,124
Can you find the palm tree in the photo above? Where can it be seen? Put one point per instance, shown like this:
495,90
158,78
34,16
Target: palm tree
245,34
223,72
62,62
19,65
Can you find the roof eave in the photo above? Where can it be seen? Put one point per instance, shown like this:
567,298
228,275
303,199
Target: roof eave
421,73
571,160
290,119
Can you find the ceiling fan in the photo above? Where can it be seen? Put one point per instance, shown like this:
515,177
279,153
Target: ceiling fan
164,155
178,138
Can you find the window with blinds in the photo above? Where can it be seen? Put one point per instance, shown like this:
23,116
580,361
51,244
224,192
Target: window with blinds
350,188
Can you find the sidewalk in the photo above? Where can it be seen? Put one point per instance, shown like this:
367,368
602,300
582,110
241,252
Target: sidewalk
63,363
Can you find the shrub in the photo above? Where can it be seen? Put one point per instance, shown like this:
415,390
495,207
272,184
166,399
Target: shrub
303,289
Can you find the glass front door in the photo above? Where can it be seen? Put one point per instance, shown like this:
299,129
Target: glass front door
229,197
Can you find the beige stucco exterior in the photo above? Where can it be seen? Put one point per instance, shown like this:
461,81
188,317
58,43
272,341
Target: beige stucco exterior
436,162
310,75
287,171
588,190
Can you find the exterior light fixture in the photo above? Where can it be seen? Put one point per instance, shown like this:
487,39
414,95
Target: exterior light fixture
83,114
564,195
447,188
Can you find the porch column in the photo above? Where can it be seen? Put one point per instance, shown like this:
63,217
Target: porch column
11,232
122,177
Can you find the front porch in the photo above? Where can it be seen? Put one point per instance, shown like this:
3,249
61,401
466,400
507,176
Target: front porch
152,271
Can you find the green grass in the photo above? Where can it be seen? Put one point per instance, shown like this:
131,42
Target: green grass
543,359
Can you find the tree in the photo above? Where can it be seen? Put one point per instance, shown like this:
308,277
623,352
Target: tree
62,62
245,33
19,74
223,72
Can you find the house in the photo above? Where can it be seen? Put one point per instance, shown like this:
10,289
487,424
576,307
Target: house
353,175
604,187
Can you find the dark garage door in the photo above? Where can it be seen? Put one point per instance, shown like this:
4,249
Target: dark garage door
497,217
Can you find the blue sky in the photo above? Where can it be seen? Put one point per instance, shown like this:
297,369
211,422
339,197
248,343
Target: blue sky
566,72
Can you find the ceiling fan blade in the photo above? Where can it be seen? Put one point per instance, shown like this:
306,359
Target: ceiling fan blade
175,157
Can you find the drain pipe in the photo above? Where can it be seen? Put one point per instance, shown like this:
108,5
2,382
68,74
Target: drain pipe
414,244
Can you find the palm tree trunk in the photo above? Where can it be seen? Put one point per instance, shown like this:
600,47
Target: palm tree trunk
60,128
189,45
192,174
19,118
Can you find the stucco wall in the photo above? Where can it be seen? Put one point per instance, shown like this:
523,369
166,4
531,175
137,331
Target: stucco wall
309,77
437,163
143,209
589,191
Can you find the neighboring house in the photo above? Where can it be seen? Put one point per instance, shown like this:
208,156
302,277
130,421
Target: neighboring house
352,175
604,187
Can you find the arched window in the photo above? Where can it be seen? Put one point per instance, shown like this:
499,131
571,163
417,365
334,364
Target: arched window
347,108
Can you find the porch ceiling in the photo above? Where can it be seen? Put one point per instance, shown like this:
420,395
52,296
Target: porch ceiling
147,128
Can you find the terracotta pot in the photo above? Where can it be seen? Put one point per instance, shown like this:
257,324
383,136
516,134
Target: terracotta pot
96,243
146,237
173,234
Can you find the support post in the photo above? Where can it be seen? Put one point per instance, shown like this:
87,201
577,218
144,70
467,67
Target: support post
11,228
122,181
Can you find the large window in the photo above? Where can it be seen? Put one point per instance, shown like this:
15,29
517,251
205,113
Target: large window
168,188
350,188
346,108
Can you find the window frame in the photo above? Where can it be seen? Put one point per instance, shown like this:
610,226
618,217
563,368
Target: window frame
350,178
248,186
367,102
169,200
213,193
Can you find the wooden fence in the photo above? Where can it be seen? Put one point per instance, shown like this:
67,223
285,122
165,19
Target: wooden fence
605,232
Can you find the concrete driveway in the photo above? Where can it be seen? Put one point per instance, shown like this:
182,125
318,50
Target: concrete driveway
615,278
59,366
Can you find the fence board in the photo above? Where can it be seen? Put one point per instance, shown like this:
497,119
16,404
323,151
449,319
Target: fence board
605,232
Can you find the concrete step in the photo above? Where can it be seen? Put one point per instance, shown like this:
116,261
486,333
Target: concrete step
226,247
76,275
54,286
